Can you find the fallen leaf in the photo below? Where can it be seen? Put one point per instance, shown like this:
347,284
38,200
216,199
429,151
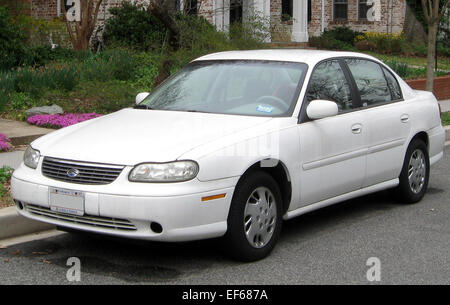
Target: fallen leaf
431,210
40,253
16,253
6,260
46,261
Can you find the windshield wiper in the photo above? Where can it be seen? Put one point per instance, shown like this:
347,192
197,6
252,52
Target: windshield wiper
141,106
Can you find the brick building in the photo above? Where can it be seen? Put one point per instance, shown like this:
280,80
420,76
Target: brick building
291,20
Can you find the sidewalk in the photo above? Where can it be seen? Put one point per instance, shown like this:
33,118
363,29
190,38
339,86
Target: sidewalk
445,105
11,223
21,132
11,159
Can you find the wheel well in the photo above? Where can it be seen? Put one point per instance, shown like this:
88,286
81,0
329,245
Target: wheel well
422,136
279,173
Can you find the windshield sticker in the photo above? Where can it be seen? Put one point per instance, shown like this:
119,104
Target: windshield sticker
266,109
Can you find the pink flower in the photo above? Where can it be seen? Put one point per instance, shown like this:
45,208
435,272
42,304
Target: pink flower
4,143
60,120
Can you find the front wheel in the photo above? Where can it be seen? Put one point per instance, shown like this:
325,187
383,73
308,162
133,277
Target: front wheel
415,173
255,218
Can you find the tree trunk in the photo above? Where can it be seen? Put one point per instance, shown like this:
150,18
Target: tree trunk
80,32
432,34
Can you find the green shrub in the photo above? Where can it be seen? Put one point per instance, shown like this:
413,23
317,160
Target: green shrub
196,34
12,39
28,80
133,27
339,38
365,45
384,43
111,64
250,34
443,50
62,76
7,83
34,81
327,43
147,70
400,68
122,63
343,34
403,70
20,100
5,176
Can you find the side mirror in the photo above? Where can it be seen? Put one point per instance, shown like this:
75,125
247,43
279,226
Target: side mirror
319,109
141,96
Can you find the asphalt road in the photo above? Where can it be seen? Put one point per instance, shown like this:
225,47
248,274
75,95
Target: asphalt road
330,246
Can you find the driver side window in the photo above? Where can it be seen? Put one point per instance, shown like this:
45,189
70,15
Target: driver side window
328,82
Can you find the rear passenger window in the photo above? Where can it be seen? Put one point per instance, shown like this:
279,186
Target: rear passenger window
328,82
370,80
393,85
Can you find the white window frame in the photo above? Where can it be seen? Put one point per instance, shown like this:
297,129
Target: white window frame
339,2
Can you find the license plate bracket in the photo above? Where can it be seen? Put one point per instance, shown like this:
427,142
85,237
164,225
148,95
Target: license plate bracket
66,201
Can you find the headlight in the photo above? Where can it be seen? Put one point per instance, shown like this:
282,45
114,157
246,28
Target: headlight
31,157
164,172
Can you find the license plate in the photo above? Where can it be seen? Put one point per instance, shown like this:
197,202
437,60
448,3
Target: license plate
66,201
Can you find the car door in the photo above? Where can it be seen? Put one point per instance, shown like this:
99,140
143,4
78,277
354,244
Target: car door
332,149
386,118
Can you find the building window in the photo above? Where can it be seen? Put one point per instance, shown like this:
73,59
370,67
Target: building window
287,10
362,9
190,7
309,11
340,9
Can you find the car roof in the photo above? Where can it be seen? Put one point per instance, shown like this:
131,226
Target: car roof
307,56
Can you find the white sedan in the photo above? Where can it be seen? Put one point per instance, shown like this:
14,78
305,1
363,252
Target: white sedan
232,145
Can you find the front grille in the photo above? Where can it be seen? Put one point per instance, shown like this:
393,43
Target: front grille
94,221
87,173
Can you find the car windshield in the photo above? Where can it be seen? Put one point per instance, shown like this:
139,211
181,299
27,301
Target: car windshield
259,88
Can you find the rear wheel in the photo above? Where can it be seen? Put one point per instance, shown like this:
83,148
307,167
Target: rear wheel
254,220
415,173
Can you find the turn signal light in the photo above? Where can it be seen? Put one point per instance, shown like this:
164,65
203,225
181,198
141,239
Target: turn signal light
218,196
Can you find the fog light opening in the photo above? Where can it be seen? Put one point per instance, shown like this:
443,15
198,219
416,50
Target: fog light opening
156,227
19,204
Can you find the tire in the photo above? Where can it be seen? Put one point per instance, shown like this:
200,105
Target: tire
253,236
416,163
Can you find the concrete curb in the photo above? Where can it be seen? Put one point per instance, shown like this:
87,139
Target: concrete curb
13,224
447,133
25,140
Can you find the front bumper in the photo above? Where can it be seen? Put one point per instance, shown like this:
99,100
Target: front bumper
128,209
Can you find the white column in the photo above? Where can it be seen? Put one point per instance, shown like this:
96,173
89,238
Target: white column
300,26
222,14
262,8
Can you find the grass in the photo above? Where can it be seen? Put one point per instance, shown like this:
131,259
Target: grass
445,118
6,201
443,62
5,196
86,97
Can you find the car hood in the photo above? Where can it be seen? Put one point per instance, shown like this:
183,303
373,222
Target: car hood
132,136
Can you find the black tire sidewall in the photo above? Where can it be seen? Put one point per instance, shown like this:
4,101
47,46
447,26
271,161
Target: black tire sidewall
236,242
404,192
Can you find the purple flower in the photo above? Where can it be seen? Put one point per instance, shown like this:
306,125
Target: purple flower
4,143
60,120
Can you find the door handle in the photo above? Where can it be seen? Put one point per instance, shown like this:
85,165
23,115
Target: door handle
356,128
404,118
